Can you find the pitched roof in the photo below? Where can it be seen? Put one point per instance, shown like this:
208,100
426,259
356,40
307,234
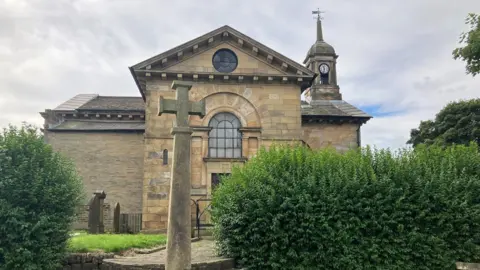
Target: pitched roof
333,108
157,65
224,30
75,102
114,103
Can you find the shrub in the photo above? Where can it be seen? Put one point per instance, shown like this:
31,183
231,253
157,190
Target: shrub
39,192
293,208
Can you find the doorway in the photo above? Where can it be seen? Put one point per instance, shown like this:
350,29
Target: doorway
216,179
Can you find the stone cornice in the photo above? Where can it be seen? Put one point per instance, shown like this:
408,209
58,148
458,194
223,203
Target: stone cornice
143,75
333,119
209,159
251,129
106,115
94,130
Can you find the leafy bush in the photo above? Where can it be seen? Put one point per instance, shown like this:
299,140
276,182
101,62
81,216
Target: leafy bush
39,192
292,208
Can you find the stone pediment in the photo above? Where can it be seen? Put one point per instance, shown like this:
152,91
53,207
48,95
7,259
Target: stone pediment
176,64
248,64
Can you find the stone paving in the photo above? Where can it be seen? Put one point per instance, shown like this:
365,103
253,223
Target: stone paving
203,257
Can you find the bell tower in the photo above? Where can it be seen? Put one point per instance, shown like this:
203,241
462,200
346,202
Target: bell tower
322,59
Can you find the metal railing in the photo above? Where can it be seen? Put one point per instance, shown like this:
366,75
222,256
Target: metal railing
199,213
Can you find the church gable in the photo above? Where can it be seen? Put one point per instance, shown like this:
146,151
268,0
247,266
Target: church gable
256,63
246,63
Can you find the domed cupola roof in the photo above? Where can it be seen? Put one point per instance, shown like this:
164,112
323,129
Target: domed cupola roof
320,47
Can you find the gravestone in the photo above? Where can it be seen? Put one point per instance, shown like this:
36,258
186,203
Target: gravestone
179,212
95,213
116,218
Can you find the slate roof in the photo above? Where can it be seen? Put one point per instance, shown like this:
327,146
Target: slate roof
333,108
75,102
79,125
112,103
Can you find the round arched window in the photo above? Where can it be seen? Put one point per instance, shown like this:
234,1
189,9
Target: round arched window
225,61
225,139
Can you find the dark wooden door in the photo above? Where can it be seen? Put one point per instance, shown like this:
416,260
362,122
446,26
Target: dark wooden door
216,178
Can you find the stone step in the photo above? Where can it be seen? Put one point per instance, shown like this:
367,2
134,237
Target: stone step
223,264
203,257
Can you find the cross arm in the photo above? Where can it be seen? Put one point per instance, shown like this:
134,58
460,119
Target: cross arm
166,106
197,108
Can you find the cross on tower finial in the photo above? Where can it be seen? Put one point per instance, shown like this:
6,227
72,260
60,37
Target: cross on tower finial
318,13
319,23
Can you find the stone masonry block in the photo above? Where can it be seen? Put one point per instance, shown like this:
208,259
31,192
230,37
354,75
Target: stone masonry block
104,160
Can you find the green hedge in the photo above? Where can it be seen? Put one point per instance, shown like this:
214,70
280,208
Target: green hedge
39,193
292,208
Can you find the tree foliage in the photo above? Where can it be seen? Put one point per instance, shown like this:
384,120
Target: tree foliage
456,123
470,52
293,208
39,194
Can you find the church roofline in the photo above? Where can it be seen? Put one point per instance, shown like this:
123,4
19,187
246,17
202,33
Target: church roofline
137,82
329,111
75,102
211,39
220,30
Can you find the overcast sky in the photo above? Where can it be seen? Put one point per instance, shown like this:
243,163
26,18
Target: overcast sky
395,55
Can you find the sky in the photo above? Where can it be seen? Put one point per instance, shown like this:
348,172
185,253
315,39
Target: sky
395,56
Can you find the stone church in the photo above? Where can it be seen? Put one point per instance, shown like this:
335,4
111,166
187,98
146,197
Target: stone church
253,98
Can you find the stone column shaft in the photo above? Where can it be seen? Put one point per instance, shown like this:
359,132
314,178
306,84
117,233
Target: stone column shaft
179,211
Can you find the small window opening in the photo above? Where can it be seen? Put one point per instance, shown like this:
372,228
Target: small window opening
324,78
165,157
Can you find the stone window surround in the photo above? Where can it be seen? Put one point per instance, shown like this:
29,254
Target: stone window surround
222,165
234,138
201,133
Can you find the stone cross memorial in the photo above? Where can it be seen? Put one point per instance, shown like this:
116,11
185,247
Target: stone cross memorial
179,216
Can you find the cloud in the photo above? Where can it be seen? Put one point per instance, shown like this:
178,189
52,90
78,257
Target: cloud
395,56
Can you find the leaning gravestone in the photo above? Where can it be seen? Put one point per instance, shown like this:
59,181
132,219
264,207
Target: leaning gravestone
116,218
179,254
95,213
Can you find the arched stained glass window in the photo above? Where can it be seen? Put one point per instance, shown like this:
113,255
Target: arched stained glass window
225,139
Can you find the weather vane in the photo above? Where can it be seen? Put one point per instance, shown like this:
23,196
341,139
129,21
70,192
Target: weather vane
318,13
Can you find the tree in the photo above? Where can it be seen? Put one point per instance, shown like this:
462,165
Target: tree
294,208
470,53
39,194
457,123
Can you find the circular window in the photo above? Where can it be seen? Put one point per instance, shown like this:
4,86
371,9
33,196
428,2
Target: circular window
224,60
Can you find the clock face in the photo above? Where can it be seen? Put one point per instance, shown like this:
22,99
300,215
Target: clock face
324,68
224,60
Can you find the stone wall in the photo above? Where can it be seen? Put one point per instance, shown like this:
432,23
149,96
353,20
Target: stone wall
112,162
81,222
85,261
468,266
268,113
340,136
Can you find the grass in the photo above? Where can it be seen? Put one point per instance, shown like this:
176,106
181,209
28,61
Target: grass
114,242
